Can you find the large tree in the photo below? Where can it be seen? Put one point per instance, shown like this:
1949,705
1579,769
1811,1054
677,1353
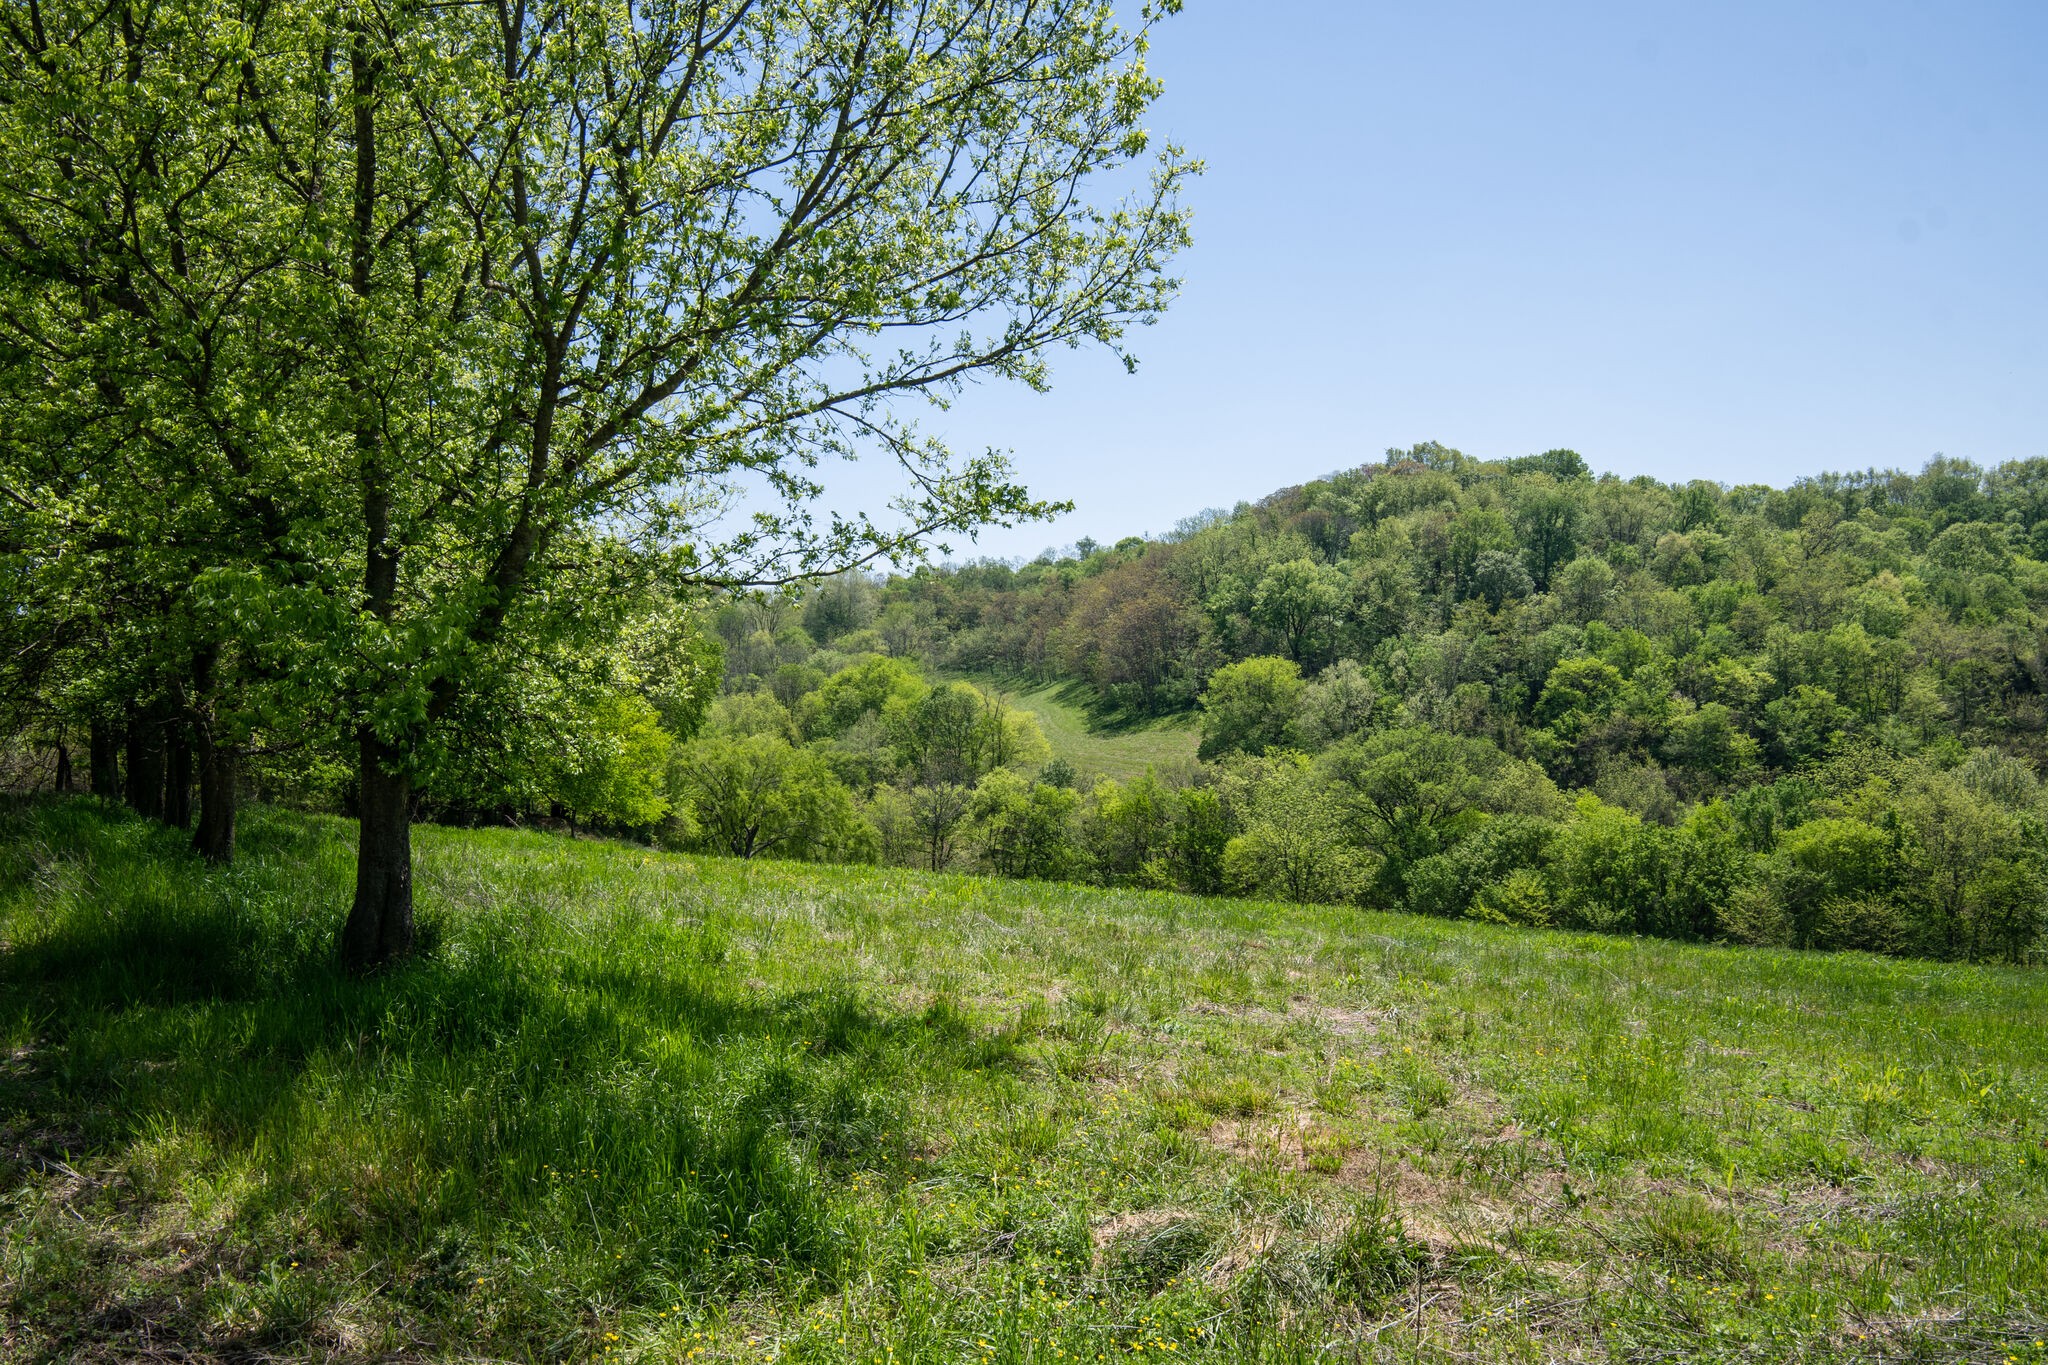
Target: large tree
599,292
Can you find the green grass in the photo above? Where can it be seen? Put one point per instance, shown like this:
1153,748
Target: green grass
653,1107
1098,746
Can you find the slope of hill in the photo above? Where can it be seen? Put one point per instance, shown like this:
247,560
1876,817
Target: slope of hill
1504,690
1122,750
646,1106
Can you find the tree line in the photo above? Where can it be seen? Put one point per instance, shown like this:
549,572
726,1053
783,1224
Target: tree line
1510,690
383,387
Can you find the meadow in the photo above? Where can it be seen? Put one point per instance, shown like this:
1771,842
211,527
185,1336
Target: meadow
631,1105
1069,716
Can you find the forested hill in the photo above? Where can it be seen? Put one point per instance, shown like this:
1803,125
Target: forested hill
1685,617
1807,714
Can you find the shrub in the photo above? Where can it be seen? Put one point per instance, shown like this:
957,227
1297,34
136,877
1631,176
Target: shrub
1607,868
1021,829
757,795
1869,923
1522,897
1446,884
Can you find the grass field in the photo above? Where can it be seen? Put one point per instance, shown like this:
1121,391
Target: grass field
1120,750
635,1106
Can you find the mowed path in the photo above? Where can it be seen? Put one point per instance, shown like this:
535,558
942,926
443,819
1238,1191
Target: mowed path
1121,753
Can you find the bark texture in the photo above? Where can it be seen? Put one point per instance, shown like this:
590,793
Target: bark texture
380,925
219,772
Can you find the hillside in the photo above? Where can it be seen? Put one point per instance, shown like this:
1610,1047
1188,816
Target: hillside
1507,690
1122,748
633,1105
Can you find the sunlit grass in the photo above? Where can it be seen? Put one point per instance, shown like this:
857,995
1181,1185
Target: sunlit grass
639,1106
1122,751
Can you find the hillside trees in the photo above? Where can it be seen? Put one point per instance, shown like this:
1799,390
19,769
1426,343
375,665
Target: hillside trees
574,278
1716,703
1250,706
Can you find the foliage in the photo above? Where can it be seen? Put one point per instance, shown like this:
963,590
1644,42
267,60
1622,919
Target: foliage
1023,829
1534,695
386,359
757,794
1249,707
620,777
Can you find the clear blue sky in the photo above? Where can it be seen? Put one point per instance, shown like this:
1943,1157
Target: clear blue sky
1741,241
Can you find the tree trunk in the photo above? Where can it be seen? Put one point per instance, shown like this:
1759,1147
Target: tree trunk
178,779
146,765
105,761
379,929
219,770
63,782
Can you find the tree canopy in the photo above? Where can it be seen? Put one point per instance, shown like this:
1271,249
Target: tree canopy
384,367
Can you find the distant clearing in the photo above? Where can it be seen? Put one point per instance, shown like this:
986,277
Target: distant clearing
1098,749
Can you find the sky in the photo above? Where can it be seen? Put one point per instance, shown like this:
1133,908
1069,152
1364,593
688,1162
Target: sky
1742,242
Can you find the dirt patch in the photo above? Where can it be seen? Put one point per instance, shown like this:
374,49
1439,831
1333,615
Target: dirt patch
1288,1139
1127,1224
1344,1023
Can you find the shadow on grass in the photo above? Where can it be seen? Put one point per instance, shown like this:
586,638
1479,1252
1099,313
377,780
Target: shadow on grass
1104,714
647,1122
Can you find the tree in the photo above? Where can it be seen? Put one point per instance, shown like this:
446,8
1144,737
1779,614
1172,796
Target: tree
955,732
1498,577
1128,632
937,812
1804,725
842,603
1128,829
867,688
1408,794
1301,602
1200,839
1293,846
619,777
756,795
1609,868
1336,706
143,372
1023,829
1583,586
1711,743
1249,706
1448,884
566,279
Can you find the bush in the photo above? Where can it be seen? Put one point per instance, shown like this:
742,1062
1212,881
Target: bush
1833,860
1446,884
758,795
1293,844
1608,868
1021,829
1755,915
1869,923
1522,897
